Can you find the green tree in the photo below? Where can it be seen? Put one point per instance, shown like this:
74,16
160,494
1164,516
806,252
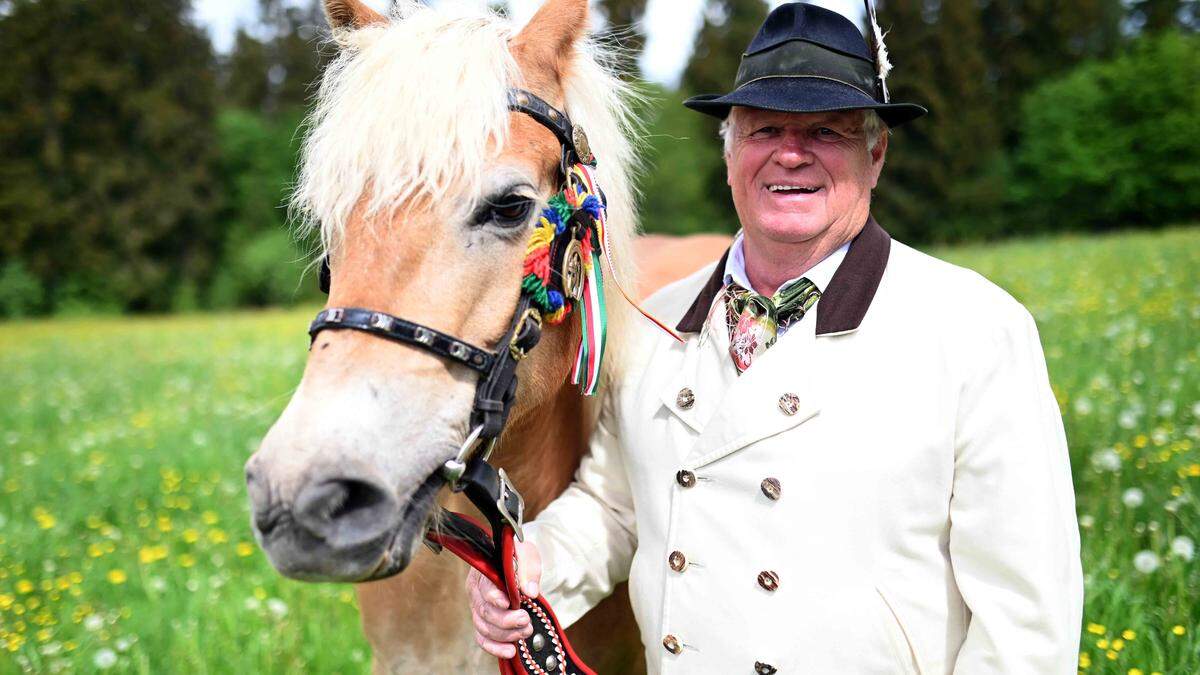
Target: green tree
1113,144
729,26
939,181
106,187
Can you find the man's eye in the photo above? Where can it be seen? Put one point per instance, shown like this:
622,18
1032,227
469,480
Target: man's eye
508,211
826,132
765,131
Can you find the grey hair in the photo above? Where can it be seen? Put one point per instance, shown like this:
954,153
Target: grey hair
873,127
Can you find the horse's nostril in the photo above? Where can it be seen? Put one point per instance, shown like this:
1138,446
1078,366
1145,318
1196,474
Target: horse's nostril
345,511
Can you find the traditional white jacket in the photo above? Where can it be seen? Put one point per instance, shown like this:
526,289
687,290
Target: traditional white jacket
886,490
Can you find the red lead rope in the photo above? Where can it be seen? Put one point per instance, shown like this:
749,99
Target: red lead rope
547,650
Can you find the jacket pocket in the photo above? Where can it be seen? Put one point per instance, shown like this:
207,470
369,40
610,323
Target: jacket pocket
906,653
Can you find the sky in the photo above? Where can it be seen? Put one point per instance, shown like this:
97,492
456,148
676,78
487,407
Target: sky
671,27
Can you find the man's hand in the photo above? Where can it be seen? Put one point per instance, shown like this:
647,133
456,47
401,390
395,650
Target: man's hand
497,626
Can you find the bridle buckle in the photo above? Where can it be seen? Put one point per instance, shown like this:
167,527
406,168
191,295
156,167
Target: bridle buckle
517,345
506,492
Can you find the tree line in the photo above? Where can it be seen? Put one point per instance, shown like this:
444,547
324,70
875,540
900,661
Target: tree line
142,171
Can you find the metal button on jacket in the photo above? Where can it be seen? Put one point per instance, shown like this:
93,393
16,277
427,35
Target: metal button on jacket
764,668
677,560
789,404
771,488
672,644
685,478
685,399
768,580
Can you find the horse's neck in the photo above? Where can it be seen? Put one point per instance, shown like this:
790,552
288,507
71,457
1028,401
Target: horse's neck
541,450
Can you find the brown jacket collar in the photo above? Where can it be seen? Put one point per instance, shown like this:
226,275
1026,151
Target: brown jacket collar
843,304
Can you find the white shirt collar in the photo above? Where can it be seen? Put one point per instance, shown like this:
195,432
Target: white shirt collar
820,274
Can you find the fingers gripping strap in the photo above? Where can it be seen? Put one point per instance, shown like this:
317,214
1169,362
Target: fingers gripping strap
547,650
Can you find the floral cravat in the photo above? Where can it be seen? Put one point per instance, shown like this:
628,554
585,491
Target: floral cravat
755,321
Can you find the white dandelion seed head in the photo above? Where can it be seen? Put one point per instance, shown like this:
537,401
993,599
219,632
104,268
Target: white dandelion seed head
93,622
1083,406
1183,547
1107,460
104,658
1133,497
1087,521
252,604
277,608
1127,419
156,584
1166,408
1146,562
123,644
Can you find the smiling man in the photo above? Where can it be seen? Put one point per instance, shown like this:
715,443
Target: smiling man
855,462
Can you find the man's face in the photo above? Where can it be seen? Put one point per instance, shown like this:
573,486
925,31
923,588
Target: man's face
798,176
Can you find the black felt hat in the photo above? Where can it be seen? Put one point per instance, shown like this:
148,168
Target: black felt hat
806,58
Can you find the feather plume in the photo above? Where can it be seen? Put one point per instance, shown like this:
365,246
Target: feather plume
882,65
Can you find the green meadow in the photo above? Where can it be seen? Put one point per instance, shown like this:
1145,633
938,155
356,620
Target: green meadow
124,536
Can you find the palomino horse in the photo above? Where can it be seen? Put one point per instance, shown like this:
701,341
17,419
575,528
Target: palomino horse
423,186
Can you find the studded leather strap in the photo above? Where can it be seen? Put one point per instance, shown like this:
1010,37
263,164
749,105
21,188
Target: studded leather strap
405,332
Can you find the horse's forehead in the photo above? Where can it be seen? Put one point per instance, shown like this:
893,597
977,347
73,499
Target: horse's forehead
532,144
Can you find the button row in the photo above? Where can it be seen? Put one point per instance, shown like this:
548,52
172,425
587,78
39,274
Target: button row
789,403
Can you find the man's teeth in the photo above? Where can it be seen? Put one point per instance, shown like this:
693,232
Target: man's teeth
792,188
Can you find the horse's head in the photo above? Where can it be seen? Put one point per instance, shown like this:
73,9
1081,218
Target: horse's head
425,189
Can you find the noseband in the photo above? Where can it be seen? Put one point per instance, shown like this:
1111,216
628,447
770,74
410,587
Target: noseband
561,276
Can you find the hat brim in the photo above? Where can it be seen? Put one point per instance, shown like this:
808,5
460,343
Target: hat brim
803,95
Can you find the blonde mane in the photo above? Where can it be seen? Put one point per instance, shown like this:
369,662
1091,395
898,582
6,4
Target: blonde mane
417,107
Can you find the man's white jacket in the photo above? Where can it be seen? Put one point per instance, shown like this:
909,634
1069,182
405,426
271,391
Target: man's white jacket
886,490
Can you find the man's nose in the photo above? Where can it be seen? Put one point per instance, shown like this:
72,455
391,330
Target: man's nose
793,151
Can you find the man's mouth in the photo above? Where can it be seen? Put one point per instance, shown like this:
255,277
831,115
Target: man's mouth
792,189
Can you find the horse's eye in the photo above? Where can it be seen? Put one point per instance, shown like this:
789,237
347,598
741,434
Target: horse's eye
510,210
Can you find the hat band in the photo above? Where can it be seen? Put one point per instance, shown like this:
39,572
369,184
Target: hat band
799,58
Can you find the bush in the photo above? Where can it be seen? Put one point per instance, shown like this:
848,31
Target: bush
268,269
21,293
1113,144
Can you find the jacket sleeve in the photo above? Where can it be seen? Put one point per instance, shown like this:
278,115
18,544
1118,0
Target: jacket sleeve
587,535
1014,537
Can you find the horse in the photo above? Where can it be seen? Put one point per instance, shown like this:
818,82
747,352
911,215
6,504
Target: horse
417,178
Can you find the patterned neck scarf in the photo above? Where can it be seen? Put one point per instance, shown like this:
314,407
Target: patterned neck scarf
756,321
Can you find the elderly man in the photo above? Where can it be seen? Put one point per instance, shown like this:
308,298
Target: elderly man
854,463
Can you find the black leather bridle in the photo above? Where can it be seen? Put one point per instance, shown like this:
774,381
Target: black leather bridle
489,489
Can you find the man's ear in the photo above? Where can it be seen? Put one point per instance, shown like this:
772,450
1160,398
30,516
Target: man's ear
350,14
878,154
545,45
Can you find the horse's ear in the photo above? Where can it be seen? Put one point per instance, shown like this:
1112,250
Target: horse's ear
547,41
350,14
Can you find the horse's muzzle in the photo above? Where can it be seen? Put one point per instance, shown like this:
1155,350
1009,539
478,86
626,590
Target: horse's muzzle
341,529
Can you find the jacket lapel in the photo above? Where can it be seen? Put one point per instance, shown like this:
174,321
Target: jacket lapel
706,372
752,408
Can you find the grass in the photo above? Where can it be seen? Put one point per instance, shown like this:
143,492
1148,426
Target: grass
124,537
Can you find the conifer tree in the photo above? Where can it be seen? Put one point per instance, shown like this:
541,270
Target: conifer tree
106,134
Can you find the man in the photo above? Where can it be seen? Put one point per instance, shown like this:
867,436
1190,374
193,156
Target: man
855,463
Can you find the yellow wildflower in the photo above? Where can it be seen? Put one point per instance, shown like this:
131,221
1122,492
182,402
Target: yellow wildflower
25,586
1112,656
187,560
6,601
1129,634
1118,644
217,536
1085,660
244,549
209,517
1102,643
1178,630
191,536
95,550
1096,629
117,577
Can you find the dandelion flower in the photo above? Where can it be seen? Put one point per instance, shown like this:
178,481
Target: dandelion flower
1178,630
277,608
1146,562
1107,460
244,549
1133,497
104,659
1183,547
117,577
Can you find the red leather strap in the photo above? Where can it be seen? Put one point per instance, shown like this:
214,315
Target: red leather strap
468,539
